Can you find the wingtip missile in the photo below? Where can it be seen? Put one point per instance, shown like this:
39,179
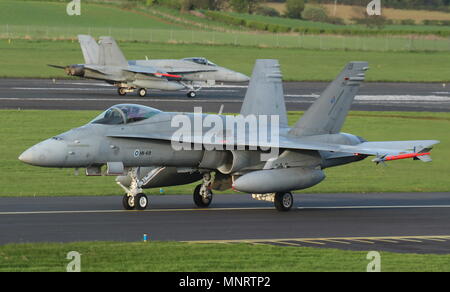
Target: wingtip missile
423,156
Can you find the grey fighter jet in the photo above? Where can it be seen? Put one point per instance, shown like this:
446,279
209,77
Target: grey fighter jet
105,61
148,148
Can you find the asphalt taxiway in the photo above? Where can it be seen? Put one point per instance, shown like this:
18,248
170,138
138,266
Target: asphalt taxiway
398,222
95,95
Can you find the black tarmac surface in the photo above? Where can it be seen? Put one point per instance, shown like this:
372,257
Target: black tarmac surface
83,95
399,222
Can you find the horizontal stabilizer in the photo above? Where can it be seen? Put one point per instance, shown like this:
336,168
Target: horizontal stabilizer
56,66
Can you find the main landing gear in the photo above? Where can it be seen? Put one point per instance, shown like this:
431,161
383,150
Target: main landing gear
283,201
203,194
122,91
142,92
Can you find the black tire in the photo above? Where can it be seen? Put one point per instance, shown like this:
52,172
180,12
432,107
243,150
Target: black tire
141,201
121,91
199,200
128,202
191,94
284,201
142,92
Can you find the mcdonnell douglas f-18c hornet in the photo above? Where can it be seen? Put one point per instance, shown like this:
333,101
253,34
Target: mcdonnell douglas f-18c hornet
148,148
105,61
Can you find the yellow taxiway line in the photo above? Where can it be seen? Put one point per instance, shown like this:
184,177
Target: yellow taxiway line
344,240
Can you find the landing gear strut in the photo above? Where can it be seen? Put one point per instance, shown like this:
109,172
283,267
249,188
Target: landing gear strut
134,197
193,88
203,194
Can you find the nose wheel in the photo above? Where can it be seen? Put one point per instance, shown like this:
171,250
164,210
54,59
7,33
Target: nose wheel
138,202
134,198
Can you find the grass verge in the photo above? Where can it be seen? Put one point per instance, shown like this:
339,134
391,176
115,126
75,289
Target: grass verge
187,257
24,128
23,58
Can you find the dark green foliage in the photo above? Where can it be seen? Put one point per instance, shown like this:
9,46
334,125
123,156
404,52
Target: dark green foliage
438,5
376,21
294,8
407,22
314,13
245,6
222,17
267,11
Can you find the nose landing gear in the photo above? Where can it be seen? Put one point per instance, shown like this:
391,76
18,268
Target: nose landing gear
134,197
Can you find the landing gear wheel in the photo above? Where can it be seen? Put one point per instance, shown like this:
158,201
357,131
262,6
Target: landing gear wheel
191,94
141,201
122,91
202,196
284,201
142,92
128,202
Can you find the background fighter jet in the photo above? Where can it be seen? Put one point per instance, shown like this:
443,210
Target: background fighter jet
105,61
136,143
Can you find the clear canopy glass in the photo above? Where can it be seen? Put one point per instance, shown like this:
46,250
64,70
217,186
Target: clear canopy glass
125,114
201,61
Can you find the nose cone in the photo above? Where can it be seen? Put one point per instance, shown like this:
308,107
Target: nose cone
239,77
49,153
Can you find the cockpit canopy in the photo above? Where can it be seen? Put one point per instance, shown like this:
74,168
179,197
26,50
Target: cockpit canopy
201,61
125,114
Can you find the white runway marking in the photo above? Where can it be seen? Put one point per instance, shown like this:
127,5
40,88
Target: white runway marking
58,88
122,99
216,209
378,207
390,98
294,98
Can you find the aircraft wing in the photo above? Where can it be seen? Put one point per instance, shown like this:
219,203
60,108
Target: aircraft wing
147,70
384,151
188,71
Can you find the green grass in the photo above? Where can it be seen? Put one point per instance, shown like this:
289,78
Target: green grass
22,58
297,23
53,14
22,129
48,20
186,257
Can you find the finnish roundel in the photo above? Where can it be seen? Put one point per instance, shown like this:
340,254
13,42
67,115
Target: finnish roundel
136,153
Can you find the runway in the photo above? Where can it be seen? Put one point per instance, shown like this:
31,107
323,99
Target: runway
95,95
398,222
